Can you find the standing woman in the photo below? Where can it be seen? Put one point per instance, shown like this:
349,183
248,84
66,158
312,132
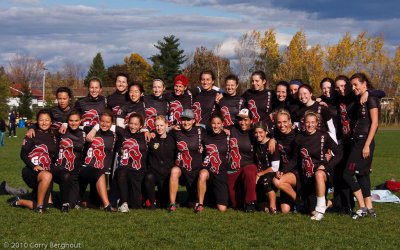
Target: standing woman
363,145
98,161
267,166
39,154
287,178
317,170
133,153
134,105
119,97
160,159
216,145
258,99
70,160
155,104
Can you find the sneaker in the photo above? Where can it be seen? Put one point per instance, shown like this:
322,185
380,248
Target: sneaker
317,216
15,136
14,202
359,214
250,208
124,208
172,207
153,206
272,210
198,208
371,212
39,209
109,208
65,208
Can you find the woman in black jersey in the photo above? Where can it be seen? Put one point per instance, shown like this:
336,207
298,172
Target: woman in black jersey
156,104
98,162
70,161
312,146
287,178
135,104
363,145
216,145
132,163
39,154
189,143
160,159
267,166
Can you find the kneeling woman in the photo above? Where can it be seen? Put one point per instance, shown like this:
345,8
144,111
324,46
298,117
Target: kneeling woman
268,165
70,161
132,163
216,165
98,162
39,154
317,170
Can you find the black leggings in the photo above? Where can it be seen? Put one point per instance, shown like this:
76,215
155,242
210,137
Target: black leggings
69,185
130,182
162,182
90,175
362,182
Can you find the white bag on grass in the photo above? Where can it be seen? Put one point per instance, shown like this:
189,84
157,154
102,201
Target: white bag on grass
384,196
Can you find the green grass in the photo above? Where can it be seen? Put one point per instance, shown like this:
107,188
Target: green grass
144,229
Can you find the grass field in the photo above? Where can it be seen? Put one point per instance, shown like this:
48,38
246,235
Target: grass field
93,229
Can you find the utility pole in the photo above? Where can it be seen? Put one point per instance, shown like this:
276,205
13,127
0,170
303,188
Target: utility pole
44,84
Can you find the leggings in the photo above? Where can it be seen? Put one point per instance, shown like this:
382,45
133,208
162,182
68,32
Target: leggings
130,182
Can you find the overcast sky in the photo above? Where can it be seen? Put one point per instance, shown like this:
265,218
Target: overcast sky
59,31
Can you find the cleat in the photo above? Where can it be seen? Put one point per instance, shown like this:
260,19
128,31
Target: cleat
250,208
65,208
172,207
39,209
371,213
124,208
109,208
199,208
317,216
359,214
14,203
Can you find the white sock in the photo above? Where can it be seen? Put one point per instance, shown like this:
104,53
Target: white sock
321,204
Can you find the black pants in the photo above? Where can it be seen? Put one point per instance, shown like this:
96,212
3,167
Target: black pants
162,182
69,185
130,182
12,128
90,175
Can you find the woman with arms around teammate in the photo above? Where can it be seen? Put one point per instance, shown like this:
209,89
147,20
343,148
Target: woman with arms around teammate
155,104
39,154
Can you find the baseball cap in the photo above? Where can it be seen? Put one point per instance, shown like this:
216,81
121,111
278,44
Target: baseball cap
181,79
244,113
187,113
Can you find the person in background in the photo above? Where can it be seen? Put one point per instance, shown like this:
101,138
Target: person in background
12,124
2,131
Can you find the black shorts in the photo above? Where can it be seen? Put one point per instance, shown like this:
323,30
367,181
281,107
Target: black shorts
219,184
265,182
30,177
90,174
189,177
356,163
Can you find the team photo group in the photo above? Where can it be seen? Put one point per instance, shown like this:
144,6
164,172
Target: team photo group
278,147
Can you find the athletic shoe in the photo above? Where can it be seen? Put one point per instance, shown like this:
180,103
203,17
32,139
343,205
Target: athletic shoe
153,206
359,214
15,136
65,208
317,216
109,208
250,208
198,208
39,209
371,212
172,207
124,208
272,210
14,202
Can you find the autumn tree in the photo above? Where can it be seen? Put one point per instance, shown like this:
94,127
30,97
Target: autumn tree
97,69
362,56
137,67
315,66
71,74
116,69
396,70
269,58
247,51
4,93
25,70
339,57
166,64
25,102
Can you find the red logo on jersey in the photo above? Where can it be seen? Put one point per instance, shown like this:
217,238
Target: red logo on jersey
90,118
175,110
306,163
39,156
116,110
344,119
197,111
213,157
130,150
96,150
227,116
283,154
184,155
253,108
56,125
66,151
151,114
234,153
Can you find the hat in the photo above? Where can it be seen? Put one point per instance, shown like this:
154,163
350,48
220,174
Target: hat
187,113
181,79
244,113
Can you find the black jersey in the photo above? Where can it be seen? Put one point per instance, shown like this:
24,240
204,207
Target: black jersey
59,116
189,146
177,104
216,152
133,149
241,148
323,112
263,158
203,106
229,107
71,147
90,109
115,101
287,151
363,123
312,149
161,155
154,105
40,150
130,108
259,103
101,150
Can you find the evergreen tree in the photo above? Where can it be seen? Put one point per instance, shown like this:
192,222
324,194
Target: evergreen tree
4,93
25,101
97,69
166,63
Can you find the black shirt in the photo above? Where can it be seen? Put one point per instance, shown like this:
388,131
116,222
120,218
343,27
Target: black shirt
90,109
216,152
241,148
161,155
229,107
71,148
132,150
101,150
